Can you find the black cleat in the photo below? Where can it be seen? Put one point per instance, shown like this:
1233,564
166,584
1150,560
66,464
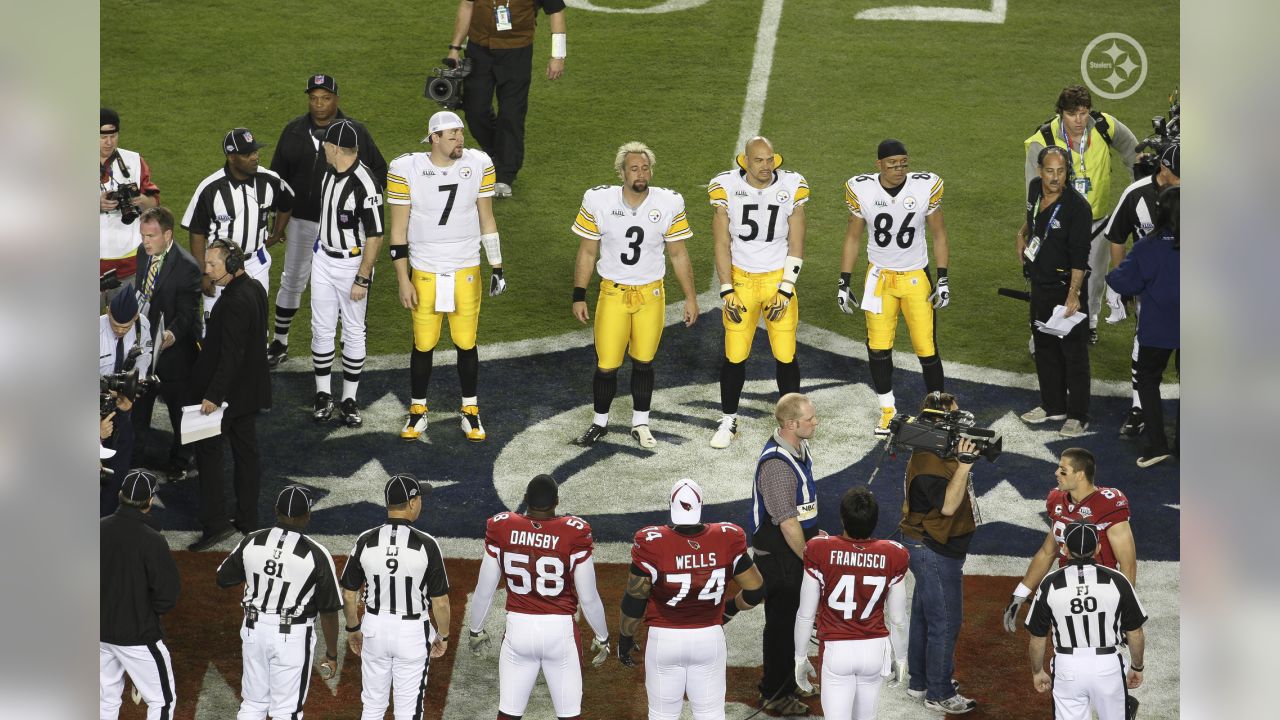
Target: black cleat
323,408
1093,336
1133,424
277,353
591,436
349,414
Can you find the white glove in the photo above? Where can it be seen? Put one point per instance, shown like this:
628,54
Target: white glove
941,295
897,673
844,297
1116,302
497,284
804,670
479,642
601,649
1011,613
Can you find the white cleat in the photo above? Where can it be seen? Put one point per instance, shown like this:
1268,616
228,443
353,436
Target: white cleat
725,434
643,436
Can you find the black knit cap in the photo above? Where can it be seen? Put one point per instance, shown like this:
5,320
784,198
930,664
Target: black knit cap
889,148
110,117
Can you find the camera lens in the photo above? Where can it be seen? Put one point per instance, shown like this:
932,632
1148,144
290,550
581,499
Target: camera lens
439,89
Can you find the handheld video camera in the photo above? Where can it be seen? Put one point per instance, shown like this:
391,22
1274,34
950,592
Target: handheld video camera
939,432
444,85
1167,130
125,194
126,384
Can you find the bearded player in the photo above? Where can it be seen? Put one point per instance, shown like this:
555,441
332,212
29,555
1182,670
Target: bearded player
677,581
854,584
631,228
758,226
1078,498
545,561
899,206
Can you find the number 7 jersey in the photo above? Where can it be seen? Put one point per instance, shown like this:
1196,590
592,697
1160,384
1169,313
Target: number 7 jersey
895,222
537,558
444,223
632,241
688,572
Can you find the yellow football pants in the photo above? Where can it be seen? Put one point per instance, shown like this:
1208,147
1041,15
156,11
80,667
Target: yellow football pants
629,321
464,321
908,293
757,290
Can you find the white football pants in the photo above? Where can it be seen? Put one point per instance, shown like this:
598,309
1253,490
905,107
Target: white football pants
685,660
276,669
256,266
150,669
852,674
540,642
331,281
394,658
1081,681
1099,260
299,246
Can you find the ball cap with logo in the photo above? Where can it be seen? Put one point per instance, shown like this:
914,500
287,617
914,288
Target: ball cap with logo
240,141
686,502
403,487
322,82
1081,538
341,133
443,120
294,501
139,486
1170,159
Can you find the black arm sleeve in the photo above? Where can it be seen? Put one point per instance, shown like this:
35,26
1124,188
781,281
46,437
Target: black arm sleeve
162,574
744,564
231,571
353,577
1131,615
284,196
437,578
327,597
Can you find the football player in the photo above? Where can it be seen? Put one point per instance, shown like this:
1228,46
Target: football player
758,226
629,227
545,561
853,583
441,206
1078,498
677,581
899,206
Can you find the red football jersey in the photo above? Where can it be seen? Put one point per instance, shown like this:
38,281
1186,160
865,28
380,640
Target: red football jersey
688,572
855,577
1104,507
537,557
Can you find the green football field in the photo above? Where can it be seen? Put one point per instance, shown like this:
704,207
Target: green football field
962,96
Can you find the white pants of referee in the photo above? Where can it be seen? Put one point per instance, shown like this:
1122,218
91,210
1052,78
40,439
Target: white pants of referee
331,283
540,642
299,249
1082,680
150,669
680,661
394,658
256,266
852,674
276,669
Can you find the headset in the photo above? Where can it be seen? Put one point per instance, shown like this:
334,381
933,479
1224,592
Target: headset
234,261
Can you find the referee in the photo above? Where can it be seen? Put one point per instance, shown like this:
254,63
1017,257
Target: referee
288,580
1090,609
398,571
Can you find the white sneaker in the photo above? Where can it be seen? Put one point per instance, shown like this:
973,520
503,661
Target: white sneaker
1073,428
725,434
955,705
1038,415
501,190
643,436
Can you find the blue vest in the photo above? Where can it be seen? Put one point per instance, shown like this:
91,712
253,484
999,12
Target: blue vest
765,534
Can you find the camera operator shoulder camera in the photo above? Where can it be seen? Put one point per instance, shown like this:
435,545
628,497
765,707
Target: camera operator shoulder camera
944,430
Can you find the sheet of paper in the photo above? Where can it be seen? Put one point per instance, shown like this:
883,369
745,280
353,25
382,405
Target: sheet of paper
198,426
1059,324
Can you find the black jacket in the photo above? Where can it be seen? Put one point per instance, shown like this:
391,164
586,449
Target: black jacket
301,163
176,295
232,366
139,580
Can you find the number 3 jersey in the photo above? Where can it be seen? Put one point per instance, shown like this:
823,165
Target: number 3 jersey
1104,507
632,240
689,572
537,558
895,221
854,577
444,225
759,219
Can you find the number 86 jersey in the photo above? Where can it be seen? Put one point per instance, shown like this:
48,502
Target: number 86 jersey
632,240
895,221
688,572
537,558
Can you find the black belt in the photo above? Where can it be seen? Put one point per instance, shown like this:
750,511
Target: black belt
1084,650
411,616
286,621
354,252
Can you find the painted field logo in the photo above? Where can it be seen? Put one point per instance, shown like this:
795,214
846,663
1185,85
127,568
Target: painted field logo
1114,65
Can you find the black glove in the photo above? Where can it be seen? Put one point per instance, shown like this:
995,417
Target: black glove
626,645
497,285
844,296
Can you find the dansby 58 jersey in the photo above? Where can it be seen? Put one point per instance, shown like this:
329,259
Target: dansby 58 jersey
895,223
759,220
688,572
854,577
538,557
444,226
1104,507
632,240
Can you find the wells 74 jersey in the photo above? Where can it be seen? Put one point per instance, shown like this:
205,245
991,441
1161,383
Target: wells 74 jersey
537,558
895,222
632,241
688,572
854,577
759,219
1104,507
444,225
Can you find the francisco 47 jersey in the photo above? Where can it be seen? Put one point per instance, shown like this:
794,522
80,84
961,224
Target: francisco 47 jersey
444,225
688,572
632,241
758,219
855,577
538,558
1104,508
895,222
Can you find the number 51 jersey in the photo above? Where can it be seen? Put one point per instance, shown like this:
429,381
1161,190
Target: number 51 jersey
538,557
688,572
895,222
759,220
632,240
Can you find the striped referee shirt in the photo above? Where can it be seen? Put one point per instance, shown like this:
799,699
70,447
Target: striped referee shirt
1086,605
227,209
399,567
350,209
284,573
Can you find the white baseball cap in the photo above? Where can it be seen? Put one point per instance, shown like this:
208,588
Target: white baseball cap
443,120
686,502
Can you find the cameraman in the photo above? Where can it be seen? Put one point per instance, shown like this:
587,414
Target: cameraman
118,241
119,332
938,519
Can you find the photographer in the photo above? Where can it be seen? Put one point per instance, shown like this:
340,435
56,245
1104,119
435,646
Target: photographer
120,173
120,331
939,516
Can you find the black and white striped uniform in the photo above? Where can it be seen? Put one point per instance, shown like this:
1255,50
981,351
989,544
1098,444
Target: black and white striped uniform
288,580
350,214
1134,217
227,209
400,569
1087,607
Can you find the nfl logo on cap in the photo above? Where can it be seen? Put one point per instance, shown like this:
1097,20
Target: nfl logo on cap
317,80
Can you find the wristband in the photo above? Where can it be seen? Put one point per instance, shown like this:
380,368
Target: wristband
845,279
787,288
443,638
456,47
1022,591
492,248
579,294
559,46
725,289
791,270
354,628
399,252
1135,668
363,281
330,656
731,608
942,272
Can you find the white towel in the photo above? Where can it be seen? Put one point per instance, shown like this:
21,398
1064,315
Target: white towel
871,302
444,292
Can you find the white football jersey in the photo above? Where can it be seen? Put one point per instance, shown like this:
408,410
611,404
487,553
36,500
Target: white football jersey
895,224
444,225
759,220
632,241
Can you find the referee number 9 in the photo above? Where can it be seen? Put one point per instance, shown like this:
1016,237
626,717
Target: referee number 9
393,565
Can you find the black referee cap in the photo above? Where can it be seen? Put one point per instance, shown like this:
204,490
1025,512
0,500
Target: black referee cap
294,501
139,486
542,493
403,487
1170,159
341,133
323,82
1081,538
240,141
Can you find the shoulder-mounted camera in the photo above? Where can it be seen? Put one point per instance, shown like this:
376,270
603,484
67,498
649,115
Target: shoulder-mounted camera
938,432
444,85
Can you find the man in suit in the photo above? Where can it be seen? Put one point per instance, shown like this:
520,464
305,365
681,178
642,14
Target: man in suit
168,288
231,369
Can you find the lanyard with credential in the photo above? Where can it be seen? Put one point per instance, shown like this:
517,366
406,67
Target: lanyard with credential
1036,214
1084,143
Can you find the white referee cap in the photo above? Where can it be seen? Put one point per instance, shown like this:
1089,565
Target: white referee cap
686,502
443,120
